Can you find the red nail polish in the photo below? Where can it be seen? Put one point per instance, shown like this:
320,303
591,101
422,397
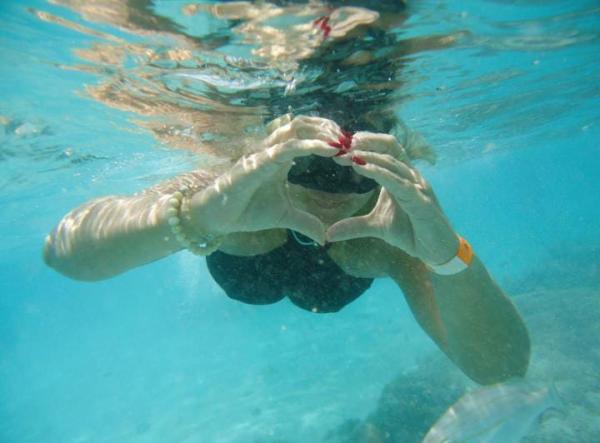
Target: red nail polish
346,139
318,21
322,23
344,143
359,161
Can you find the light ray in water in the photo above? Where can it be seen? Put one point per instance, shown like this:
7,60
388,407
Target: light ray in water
503,413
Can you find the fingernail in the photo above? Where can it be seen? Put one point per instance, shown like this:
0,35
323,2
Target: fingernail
346,140
359,161
322,23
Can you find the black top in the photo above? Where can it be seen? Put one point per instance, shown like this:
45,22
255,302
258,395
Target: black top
305,274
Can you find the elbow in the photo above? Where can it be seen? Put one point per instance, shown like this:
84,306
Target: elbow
506,372
50,256
67,264
509,361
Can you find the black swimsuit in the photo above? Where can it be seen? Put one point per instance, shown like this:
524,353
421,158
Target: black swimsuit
305,274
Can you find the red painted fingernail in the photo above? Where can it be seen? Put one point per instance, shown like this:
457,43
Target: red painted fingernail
322,23
359,161
346,140
344,143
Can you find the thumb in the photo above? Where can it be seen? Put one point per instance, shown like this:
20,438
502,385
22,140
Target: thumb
354,227
304,223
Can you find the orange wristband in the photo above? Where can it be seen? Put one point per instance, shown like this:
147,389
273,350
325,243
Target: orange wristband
460,262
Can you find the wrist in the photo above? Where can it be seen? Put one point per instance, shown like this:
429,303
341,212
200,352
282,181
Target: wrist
192,217
184,230
445,251
461,259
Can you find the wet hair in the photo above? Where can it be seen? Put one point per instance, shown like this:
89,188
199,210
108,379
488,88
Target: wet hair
359,108
324,174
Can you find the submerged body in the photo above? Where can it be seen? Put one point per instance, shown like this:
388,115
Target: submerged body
504,413
339,174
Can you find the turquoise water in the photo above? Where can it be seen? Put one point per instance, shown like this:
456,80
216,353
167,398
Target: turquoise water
159,354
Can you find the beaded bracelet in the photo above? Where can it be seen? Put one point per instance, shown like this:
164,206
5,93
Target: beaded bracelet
206,246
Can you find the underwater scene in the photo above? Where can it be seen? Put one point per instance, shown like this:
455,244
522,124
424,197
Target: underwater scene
300,221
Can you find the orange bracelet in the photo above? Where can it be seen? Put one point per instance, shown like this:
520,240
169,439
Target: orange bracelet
460,262
465,251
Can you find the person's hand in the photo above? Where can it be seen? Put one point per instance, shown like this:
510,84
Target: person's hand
407,214
253,196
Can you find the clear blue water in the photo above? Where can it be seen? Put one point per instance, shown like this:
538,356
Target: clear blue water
159,354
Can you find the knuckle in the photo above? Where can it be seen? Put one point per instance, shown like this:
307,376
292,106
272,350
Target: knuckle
360,137
277,135
301,129
249,161
388,138
299,121
275,151
388,158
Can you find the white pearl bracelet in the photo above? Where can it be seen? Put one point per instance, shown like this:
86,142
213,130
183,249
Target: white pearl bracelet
206,245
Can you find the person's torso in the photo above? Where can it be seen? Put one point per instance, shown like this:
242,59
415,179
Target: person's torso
297,268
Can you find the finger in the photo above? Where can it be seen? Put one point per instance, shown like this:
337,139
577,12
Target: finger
286,152
305,128
382,143
402,189
278,123
344,160
251,171
304,223
388,162
354,227
324,124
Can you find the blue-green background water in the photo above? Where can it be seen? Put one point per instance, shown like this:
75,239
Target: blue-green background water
161,355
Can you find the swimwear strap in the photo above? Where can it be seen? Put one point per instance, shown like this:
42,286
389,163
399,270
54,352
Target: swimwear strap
206,245
460,262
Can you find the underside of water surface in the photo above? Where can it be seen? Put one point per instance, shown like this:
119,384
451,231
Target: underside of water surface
499,101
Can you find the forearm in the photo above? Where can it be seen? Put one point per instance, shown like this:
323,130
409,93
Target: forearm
486,335
471,319
110,235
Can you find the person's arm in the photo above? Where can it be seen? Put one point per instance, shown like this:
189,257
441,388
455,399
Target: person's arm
466,313
110,235
468,316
